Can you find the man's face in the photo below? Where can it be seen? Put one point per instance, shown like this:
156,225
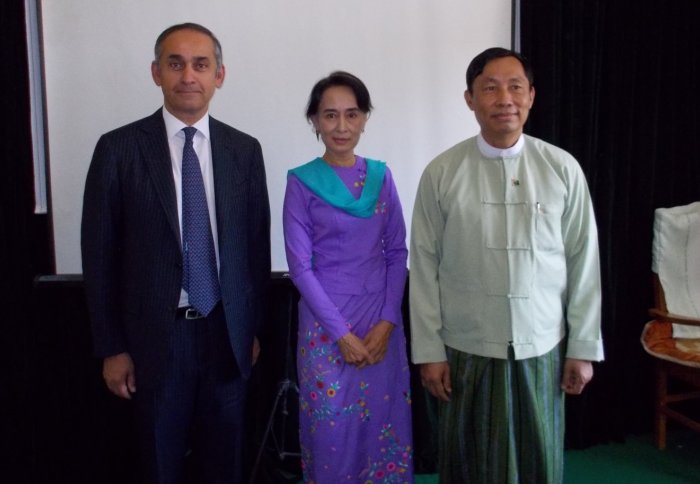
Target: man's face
501,99
187,74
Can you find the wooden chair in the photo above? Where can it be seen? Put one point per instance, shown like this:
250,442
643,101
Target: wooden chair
673,336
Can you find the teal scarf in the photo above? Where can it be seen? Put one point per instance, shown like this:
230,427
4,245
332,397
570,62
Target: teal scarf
320,178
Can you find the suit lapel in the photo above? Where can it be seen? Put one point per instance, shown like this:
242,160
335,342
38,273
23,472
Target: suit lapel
156,152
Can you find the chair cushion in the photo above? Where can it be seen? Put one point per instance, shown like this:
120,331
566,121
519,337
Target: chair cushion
658,341
676,259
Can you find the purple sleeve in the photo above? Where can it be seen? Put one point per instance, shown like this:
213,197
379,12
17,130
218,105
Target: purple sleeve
298,233
395,253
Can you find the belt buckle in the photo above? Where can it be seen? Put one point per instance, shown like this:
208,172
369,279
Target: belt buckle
192,313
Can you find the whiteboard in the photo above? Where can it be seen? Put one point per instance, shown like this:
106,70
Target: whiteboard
411,54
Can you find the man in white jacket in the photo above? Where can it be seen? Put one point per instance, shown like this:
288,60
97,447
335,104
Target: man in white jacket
505,286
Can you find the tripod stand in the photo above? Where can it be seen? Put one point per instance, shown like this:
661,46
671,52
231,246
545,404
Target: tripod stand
280,404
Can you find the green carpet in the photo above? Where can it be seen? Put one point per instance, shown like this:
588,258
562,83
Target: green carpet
636,461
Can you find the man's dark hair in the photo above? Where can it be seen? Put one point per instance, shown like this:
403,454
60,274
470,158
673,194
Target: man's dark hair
158,49
476,66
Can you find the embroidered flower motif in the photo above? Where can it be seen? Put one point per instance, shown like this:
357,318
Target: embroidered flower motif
394,462
318,395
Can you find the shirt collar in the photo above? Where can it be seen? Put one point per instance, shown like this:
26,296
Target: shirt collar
492,152
173,126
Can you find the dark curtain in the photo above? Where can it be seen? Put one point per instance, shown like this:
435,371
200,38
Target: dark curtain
617,85
23,248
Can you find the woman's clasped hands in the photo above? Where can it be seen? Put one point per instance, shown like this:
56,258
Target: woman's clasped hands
367,351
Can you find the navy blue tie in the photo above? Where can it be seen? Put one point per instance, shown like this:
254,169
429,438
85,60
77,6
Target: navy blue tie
200,276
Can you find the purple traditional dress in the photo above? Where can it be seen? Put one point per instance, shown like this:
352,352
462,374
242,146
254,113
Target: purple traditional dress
345,241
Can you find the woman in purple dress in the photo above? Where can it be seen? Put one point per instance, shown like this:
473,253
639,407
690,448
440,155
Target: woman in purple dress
345,241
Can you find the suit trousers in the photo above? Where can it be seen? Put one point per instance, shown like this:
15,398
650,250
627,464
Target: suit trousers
196,406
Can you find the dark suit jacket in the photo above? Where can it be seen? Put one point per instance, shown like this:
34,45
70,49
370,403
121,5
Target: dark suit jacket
131,244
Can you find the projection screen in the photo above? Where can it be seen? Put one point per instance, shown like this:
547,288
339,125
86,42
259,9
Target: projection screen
412,54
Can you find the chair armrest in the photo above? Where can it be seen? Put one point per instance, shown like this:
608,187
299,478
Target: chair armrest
673,318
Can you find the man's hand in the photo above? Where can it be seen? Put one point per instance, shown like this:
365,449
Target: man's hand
118,372
377,341
436,379
353,350
577,373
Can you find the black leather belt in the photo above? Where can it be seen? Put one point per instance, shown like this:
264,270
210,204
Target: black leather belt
188,312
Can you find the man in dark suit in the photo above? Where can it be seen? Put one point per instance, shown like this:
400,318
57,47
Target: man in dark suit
163,321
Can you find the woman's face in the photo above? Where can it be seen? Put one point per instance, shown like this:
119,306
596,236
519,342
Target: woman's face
339,122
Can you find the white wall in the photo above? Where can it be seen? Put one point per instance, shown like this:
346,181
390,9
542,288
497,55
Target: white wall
412,54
